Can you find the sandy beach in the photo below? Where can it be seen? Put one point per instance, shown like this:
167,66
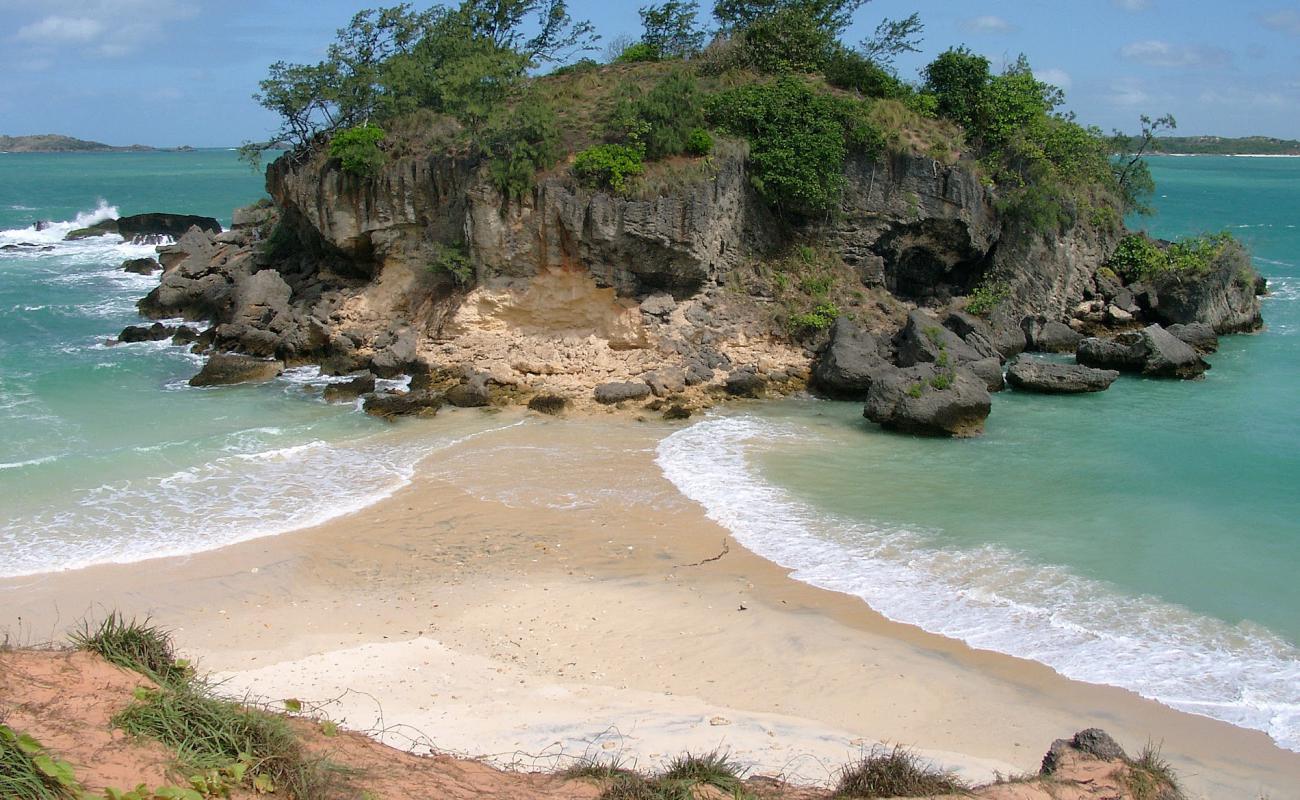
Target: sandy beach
541,593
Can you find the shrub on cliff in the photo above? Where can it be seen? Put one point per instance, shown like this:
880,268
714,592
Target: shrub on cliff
1138,258
520,142
662,119
609,166
799,140
358,149
670,29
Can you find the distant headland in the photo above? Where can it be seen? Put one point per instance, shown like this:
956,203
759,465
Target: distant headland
54,143
1225,146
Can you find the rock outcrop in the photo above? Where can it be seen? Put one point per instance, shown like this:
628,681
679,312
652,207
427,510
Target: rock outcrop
1225,297
227,368
141,266
1152,351
1049,378
140,227
851,362
929,401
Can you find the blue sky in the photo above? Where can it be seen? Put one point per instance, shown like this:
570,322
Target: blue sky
171,72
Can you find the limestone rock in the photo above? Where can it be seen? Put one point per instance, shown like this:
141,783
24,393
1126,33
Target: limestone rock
1199,335
411,404
745,383
351,390
925,400
611,393
666,382
141,266
1152,351
227,368
924,340
1049,378
139,226
1049,336
850,362
156,332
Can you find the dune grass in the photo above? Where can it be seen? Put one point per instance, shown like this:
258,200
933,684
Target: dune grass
1151,777
678,781
29,772
135,645
895,772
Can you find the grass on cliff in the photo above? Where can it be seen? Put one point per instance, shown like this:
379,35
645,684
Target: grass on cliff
895,772
679,780
29,772
1151,777
215,741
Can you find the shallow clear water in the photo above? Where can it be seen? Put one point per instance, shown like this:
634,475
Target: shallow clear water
106,454
1147,537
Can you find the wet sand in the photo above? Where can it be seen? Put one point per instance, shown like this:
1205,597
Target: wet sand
543,592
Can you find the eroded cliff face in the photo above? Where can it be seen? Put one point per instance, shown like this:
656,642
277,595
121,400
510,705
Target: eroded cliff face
571,288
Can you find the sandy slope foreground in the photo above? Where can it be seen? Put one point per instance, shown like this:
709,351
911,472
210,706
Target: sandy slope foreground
539,594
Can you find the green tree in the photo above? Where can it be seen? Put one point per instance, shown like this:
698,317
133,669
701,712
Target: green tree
892,38
830,15
520,142
1130,167
958,78
555,35
670,29
358,149
787,41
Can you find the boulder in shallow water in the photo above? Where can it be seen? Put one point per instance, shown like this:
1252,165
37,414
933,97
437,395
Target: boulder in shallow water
1048,378
923,340
472,392
349,391
552,404
141,266
228,368
149,228
103,228
1152,351
611,393
850,362
1199,335
411,404
745,383
930,401
1049,336
156,332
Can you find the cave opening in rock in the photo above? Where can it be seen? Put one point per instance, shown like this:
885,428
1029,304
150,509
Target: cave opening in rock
931,260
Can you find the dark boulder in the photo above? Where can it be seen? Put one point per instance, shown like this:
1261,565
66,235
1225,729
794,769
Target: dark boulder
977,333
103,228
350,390
1152,351
611,393
677,413
745,383
989,370
411,404
1199,335
552,404
141,266
929,401
398,357
1049,336
1048,378
470,393
923,340
156,332
667,381
160,224
697,372
227,368
850,362
185,335
1093,741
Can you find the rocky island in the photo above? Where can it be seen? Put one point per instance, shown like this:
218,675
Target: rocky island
638,234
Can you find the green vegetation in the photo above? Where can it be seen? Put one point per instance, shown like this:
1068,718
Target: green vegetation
218,744
1139,258
1151,777
1225,146
29,772
660,121
895,773
820,318
699,143
679,781
135,645
609,166
986,297
358,149
799,140
453,262
671,30
521,141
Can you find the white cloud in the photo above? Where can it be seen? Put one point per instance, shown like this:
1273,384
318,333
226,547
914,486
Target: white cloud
987,24
61,29
102,28
1057,77
1156,53
1128,93
1286,21
1132,6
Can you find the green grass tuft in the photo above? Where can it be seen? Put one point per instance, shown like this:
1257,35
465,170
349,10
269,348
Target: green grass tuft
135,645
895,772
1151,777
29,772
714,769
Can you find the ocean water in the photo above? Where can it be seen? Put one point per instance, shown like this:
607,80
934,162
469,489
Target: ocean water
1147,537
106,454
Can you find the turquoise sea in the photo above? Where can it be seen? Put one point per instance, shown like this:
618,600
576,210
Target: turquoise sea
1147,537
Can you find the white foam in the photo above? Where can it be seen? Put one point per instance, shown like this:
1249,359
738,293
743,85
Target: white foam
56,230
31,462
993,598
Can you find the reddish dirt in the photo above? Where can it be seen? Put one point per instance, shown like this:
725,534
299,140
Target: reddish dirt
66,700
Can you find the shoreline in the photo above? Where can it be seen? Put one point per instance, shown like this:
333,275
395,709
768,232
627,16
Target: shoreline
595,602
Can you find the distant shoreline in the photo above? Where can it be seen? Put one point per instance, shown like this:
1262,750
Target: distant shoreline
56,143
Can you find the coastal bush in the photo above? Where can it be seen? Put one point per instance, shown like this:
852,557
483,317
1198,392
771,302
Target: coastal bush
1151,777
30,772
662,120
134,645
358,149
986,297
850,70
453,262
789,40
1139,258
639,51
895,772
699,143
799,140
715,769
520,142
820,318
670,29
609,166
